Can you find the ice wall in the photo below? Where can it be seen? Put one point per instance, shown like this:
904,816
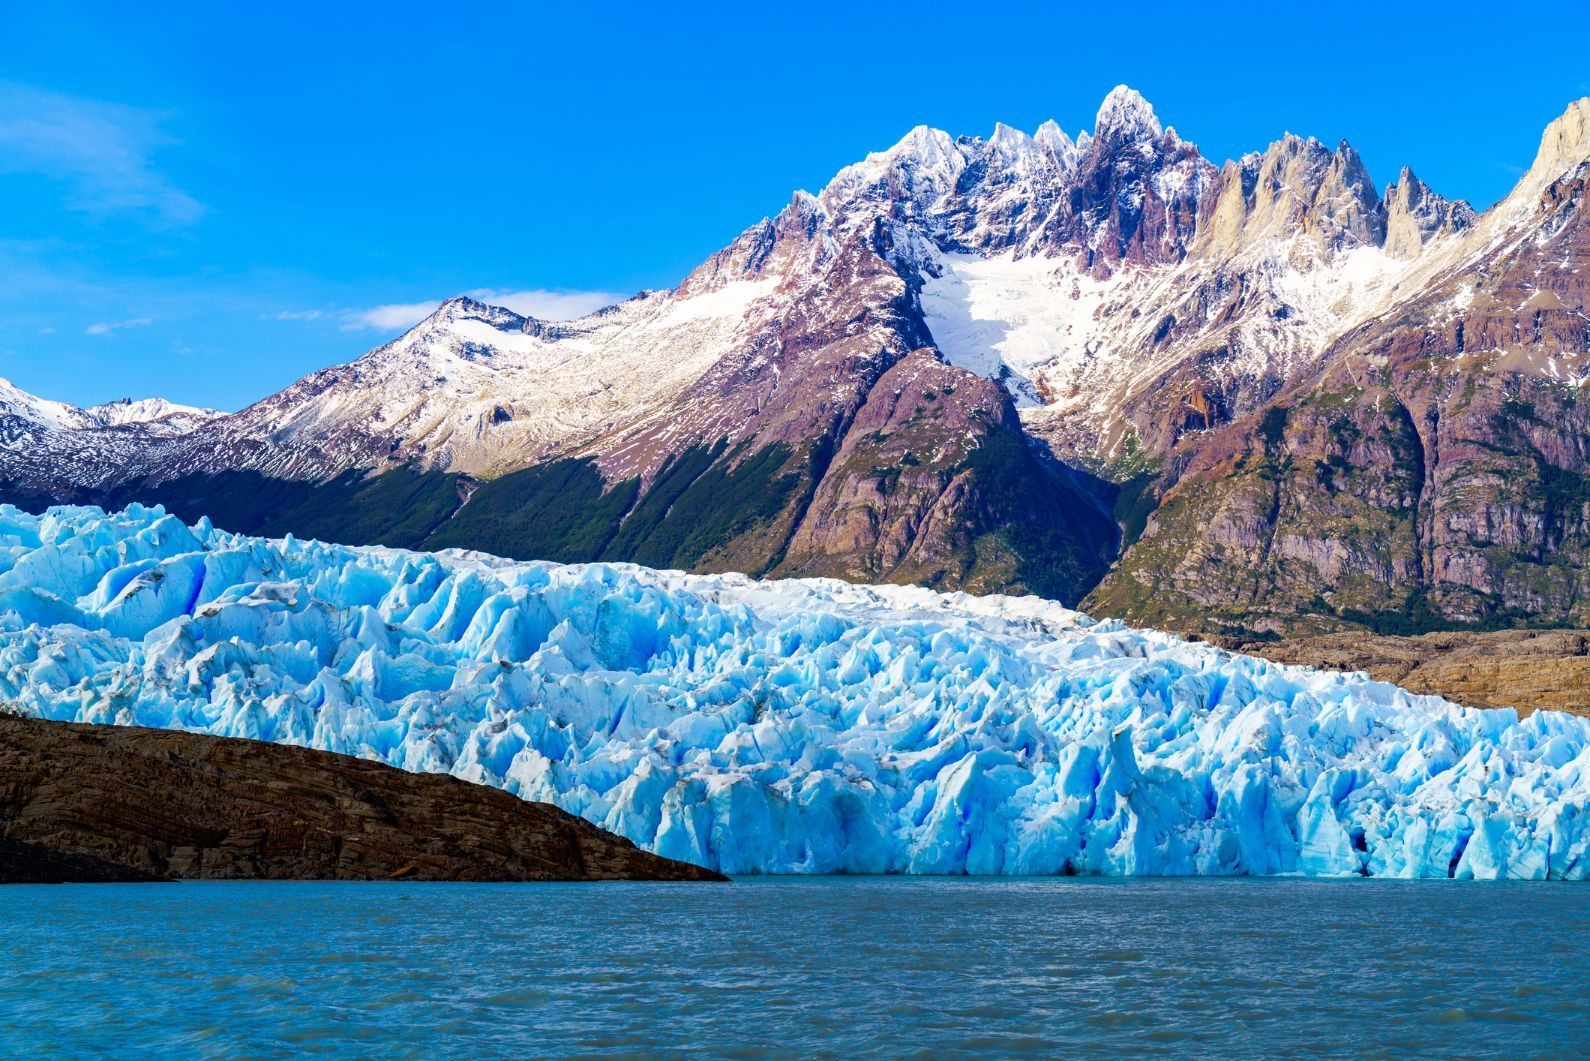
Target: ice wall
796,726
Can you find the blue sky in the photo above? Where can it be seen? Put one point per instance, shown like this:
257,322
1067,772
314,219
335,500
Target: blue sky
206,202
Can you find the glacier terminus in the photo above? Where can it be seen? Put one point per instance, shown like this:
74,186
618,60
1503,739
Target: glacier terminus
797,726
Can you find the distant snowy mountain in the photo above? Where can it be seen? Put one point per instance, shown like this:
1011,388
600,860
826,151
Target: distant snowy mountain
480,390
786,727
155,415
22,412
54,451
1256,396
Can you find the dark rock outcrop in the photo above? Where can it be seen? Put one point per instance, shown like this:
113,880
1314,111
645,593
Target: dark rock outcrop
107,803
24,863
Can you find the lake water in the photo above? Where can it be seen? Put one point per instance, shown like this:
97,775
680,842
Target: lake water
798,967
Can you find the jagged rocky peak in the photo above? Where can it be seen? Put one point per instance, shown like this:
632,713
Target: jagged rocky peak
1128,191
1137,189
1040,163
921,168
1565,144
1295,186
464,308
1346,210
774,245
1054,140
1415,215
1013,147
1125,116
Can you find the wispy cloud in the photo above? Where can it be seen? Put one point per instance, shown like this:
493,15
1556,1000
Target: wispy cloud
101,151
107,327
388,318
295,315
541,304
549,305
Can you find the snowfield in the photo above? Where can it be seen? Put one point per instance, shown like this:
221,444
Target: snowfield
799,726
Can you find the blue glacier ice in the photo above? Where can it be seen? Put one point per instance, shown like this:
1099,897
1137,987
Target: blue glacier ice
796,726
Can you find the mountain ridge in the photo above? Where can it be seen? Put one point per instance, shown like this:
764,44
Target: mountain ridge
1020,363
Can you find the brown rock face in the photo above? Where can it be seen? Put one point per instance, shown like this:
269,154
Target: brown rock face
1296,186
1415,215
1531,670
1433,472
934,483
93,803
904,468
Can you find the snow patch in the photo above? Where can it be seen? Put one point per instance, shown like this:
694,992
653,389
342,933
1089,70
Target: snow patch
1006,318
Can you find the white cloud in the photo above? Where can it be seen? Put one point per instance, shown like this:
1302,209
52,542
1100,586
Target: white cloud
297,315
543,305
388,318
106,327
100,151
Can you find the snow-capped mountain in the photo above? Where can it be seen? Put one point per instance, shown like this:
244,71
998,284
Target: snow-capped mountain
480,390
1432,469
1004,363
1021,258
21,412
155,415
51,450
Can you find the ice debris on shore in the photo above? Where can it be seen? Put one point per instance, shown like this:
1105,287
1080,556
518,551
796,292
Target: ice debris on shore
795,726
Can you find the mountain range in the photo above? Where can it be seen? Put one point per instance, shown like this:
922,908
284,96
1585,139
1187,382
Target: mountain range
1256,399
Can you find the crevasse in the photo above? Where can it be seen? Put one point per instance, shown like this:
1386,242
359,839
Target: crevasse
797,726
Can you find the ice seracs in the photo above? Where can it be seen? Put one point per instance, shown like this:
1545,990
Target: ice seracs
796,726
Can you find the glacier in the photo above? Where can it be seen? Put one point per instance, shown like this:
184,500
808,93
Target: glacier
801,726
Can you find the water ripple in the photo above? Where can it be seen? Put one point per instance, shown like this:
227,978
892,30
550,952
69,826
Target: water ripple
830,967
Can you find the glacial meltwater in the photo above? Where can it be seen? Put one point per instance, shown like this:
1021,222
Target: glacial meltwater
797,967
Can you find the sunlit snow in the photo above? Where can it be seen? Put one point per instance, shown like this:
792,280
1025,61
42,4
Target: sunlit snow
1006,318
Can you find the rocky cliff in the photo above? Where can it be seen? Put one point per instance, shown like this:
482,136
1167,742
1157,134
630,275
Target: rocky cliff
1433,470
104,803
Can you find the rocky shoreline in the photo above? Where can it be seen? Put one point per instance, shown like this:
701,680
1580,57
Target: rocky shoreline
1531,670
87,803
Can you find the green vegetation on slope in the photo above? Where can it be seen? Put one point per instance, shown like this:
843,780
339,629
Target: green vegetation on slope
399,508
562,511
701,501
557,511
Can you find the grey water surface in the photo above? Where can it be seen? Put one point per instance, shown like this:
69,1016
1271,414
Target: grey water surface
797,967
